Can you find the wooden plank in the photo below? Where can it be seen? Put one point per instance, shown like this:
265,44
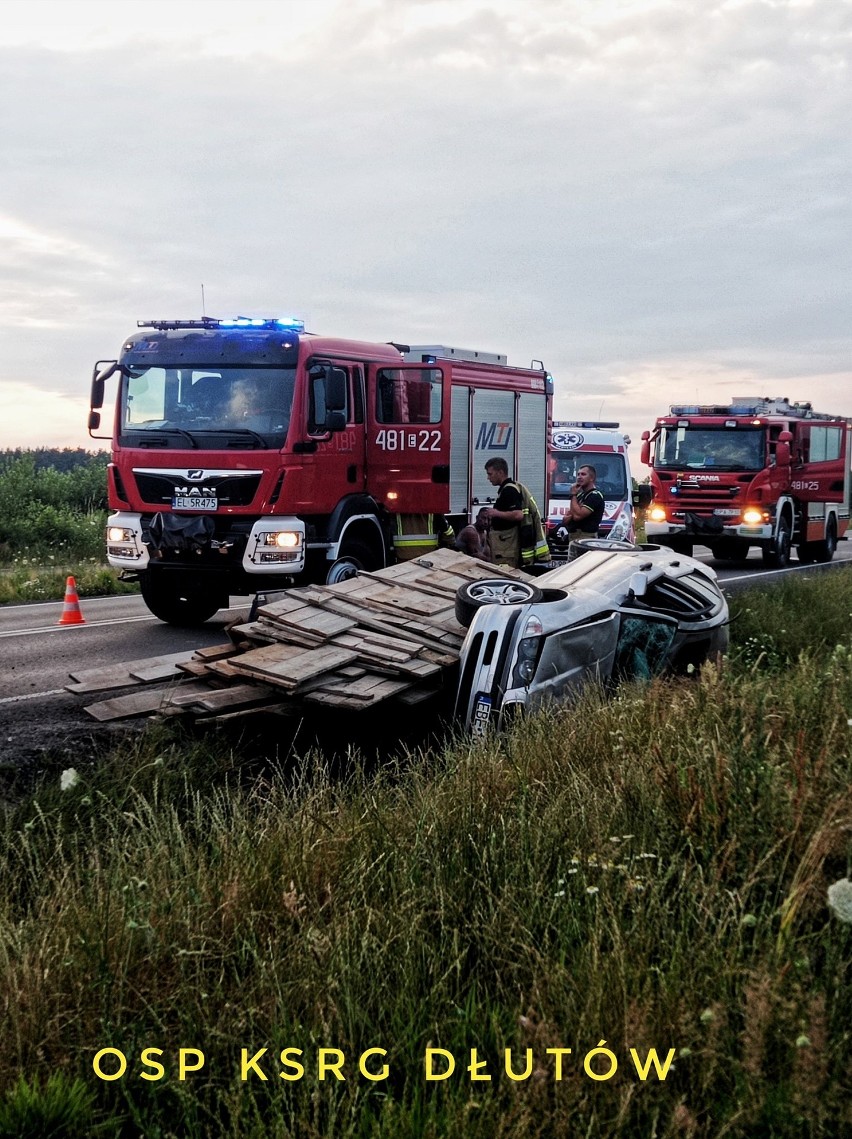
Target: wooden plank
141,703
222,699
368,650
214,652
121,675
281,666
362,693
194,668
384,622
309,619
223,668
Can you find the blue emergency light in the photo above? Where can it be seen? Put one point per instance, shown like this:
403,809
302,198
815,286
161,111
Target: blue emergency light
271,324
291,322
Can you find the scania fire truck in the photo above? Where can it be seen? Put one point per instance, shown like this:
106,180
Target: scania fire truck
756,472
248,454
573,445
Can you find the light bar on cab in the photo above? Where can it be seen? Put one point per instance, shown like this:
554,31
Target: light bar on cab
270,323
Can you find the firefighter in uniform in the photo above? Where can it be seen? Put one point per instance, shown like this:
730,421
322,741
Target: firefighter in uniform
416,534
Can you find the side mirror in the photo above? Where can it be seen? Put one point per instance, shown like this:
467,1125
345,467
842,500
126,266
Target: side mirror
335,420
782,449
94,420
100,374
335,393
638,585
645,453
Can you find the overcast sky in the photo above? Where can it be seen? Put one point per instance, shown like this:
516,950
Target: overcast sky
650,196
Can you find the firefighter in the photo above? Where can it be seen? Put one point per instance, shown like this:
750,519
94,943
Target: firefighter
416,534
586,507
506,515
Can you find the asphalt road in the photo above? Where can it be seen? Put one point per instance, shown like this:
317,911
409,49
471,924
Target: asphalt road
37,655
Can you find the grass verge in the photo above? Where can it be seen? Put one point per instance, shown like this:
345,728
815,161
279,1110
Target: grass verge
650,872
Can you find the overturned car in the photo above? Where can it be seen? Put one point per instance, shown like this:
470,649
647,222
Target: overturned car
614,612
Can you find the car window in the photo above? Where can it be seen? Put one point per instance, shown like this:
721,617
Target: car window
643,647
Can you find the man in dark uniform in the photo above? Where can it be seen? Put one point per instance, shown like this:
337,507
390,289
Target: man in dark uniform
506,515
585,507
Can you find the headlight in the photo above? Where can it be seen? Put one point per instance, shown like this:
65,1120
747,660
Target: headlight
283,539
753,517
657,514
529,650
119,534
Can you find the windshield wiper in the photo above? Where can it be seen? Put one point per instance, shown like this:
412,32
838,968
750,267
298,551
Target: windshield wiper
238,431
157,434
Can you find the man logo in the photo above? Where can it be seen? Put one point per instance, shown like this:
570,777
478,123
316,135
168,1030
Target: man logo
195,475
494,436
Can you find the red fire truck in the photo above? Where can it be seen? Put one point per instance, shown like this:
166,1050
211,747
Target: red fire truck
249,454
756,472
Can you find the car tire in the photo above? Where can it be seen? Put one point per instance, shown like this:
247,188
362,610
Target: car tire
185,608
824,550
475,595
584,545
354,558
777,556
729,551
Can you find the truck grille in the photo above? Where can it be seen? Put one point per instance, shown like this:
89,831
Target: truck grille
232,490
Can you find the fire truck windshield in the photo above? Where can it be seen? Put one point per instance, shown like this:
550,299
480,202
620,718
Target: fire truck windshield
722,448
212,405
610,479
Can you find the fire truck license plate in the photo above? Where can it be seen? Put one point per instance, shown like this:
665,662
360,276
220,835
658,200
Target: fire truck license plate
726,512
182,502
481,714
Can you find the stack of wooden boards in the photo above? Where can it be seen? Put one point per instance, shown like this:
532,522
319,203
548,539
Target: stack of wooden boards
388,635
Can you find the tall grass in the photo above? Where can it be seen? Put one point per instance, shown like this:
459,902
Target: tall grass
650,872
53,512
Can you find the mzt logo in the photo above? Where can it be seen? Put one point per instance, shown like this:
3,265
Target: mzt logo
494,436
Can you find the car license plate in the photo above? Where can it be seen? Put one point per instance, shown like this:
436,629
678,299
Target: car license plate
184,502
481,714
726,512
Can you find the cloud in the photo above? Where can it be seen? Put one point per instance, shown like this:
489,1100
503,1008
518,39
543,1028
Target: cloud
32,417
621,190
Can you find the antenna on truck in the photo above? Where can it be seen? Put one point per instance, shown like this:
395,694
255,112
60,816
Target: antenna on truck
203,309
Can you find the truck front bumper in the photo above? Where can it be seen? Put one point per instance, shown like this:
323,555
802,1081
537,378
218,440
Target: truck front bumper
272,545
665,533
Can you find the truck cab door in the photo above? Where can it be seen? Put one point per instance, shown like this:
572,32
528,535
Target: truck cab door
331,450
408,437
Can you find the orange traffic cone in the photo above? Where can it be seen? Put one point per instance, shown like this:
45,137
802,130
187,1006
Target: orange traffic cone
71,614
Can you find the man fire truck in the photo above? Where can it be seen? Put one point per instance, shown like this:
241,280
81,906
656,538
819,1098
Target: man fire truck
248,454
757,472
573,445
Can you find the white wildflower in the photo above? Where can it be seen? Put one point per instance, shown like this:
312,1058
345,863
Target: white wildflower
840,899
69,778
592,889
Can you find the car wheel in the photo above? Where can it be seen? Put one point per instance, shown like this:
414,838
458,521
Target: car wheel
729,551
584,545
185,608
474,595
824,550
354,557
777,556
